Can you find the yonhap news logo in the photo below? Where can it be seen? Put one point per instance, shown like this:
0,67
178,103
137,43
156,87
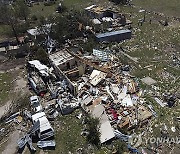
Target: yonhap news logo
160,140
136,140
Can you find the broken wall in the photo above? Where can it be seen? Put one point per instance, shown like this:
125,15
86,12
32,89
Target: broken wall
71,85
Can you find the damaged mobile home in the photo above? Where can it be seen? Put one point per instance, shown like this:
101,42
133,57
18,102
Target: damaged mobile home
105,14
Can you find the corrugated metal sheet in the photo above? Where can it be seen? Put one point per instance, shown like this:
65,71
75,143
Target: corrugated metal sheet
112,33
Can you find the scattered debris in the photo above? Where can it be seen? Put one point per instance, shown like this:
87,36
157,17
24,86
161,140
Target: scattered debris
160,102
46,144
148,80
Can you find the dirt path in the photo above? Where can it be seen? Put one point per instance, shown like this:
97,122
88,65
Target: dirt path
11,65
12,143
4,109
19,86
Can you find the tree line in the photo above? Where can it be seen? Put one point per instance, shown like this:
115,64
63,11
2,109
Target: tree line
14,15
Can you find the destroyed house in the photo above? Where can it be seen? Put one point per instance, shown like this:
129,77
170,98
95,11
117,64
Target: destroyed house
68,67
100,12
105,129
115,36
63,60
136,116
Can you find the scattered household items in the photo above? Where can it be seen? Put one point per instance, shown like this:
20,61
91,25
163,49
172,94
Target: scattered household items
12,117
44,29
26,140
37,84
96,82
106,14
160,102
170,99
102,90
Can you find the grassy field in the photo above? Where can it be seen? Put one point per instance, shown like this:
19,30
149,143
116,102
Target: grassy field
153,44
68,136
168,7
42,10
5,31
5,86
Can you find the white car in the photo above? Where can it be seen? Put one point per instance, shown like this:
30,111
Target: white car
35,103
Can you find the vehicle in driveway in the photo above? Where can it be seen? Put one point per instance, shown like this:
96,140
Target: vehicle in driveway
37,107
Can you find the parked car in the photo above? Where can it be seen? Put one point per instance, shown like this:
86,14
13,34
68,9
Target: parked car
37,107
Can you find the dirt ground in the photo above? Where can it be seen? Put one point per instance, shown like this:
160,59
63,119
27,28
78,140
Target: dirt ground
12,143
11,65
19,86
4,109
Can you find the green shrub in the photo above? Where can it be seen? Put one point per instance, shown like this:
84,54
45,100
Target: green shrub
94,134
49,3
34,18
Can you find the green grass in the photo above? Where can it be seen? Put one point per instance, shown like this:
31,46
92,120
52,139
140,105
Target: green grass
168,7
5,31
5,86
68,136
41,10
142,45
77,4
